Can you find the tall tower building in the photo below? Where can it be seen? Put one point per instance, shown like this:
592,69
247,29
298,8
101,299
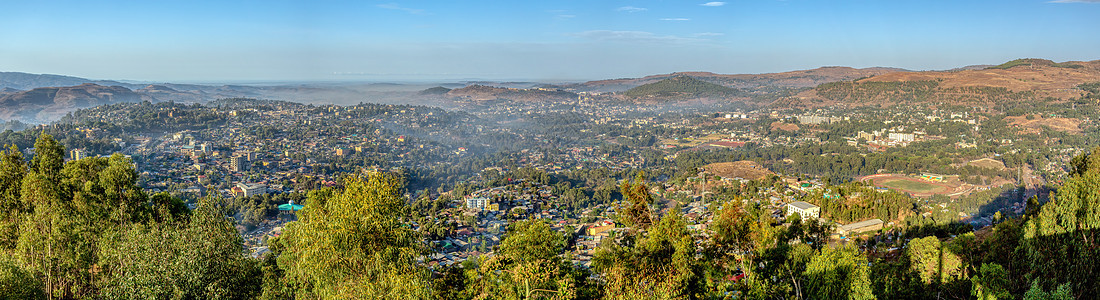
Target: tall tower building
238,164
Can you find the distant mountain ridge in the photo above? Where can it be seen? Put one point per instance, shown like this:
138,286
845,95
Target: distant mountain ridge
26,81
792,79
36,98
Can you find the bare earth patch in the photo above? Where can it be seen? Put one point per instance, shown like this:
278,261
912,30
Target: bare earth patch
744,169
1037,122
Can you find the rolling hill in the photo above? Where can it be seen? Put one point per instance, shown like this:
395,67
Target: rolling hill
27,81
50,103
1018,80
680,88
748,82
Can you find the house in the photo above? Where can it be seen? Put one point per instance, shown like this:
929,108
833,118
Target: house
594,230
803,209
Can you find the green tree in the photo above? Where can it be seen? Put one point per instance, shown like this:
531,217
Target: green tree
1061,240
49,157
934,263
838,273
634,211
17,283
202,257
991,283
353,244
532,240
661,264
12,171
528,265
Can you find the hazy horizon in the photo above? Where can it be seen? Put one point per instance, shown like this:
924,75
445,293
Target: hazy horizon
379,41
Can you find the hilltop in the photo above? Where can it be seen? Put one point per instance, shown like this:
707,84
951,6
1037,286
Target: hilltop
1017,80
739,169
480,93
680,88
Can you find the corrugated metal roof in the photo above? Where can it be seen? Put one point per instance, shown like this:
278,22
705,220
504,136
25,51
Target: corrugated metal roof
803,205
861,224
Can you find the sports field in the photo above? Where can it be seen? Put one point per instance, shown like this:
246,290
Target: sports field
912,186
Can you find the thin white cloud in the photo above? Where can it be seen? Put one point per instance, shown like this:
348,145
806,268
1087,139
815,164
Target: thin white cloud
1075,1
631,9
707,34
394,6
713,3
631,36
675,19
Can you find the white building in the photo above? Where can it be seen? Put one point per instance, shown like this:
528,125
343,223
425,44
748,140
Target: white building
250,189
902,137
803,209
477,202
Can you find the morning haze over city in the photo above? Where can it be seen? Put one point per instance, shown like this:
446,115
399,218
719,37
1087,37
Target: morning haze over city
765,149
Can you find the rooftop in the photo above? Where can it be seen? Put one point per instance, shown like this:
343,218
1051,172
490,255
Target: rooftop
803,205
861,224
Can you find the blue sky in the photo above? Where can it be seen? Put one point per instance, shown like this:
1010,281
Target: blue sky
210,41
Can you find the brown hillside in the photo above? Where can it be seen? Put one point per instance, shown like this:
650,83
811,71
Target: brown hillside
1038,122
1058,82
743,169
970,87
50,103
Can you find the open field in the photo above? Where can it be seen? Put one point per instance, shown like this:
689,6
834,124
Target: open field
744,169
1038,122
987,163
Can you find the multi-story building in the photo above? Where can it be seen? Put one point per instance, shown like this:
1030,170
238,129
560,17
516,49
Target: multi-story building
477,202
78,154
803,209
238,164
249,189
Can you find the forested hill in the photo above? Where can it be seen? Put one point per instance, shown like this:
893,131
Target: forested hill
680,88
1023,80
